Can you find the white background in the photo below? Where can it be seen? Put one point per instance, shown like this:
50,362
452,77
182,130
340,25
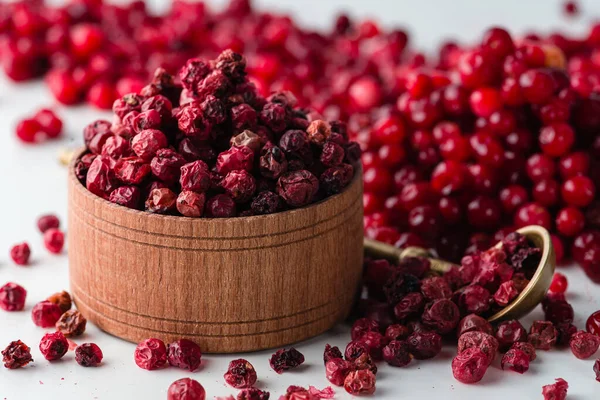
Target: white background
32,183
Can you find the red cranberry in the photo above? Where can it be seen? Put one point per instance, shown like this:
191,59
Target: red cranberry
45,314
532,214
537,86
592,324
54,240
336,370
286,359
578,191
473,323
28,130
396,353
485,101
556,140
297,188
362,326
102,95
20,253
542,335
49,123
16,355
146,143
12,297
150,354
584,344
54,346
424,345
486,343
510,332
46,222
559,283
574,164
184,354
556,391
546,192
470,365
512,197
88,355
515,360
186,388
539,167
360,382
240,374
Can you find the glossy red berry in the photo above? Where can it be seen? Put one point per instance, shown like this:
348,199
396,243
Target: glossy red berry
578,191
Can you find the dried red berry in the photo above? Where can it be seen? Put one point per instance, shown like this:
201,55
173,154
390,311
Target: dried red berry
20,253
486,343
337,369
12,297
397,332
16,355
510,332
45,314
526,348
150,354
424,345
297,188
470,365
49,123
46,222
556,391
195,177
54,346
473,323
88,355
362,326
360,382
161,201
54,240
146,143
240,185
253,394
542,335
441,316
396,353
286,359
71,323
331,352
62,300
184,354
186,389
592,325
515,360
240,374
584,344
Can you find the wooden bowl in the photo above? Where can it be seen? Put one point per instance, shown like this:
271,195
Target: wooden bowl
232,285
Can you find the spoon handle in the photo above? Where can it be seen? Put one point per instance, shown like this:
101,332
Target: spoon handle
377,249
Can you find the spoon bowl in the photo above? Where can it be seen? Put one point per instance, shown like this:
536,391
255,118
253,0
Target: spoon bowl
528,299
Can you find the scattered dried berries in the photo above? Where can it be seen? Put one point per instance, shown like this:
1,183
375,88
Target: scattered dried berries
20,253
88,355
45,314
584,344
556,391
240,374
286,359
360,382
151,354
54,240
12,297
71,323
186,388
515,360
470,365
54,346
16,355
184,354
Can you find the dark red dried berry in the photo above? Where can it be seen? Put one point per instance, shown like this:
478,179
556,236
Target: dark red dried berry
525,347
12,297
410,305
240,374
360,382
355,349
424,345
46,222
333,180
474,323
297,188
441,316
240,185
332,154
62,300
486,343
71,323
132,170
266,202
336,370
16,355
54,346
470,365
166,165
146,143
191,204
126,196
331,352
220,206
45,314
510,332
186,389
396,353
286,359
542,335
100,178
515,360
235,158
399,285
584,344
184,354
362,326
88,355
273,162
150,354
397,332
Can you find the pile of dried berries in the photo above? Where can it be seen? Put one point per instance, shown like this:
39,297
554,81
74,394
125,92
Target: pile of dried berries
152,354
54,240
211,146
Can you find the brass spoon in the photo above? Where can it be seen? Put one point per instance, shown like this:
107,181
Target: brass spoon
527,300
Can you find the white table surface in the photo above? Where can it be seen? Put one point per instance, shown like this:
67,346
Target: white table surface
32,183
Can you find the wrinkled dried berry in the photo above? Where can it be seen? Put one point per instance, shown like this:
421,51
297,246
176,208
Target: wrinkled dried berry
332,154
470,365
220,206
253,394
20,253
556,391
46,222
54,240
355,349
397,332
161,201
126,196
184,354
54,346
150,354
297,188
362,326
515,360
12,297
286,359
191,204
542,335
399,285
146,143
331,352
333,180
88,355
424,345
62,300
186,389
236,158
597,369
166,165
240,185
360,382
474,299
45,314
526,348
240,374
132,170
337,369
486,343
441,316
509,332
71,323
16,355
435,288
410,305
396,353
474,323
266,202
273,162
584,344
100,177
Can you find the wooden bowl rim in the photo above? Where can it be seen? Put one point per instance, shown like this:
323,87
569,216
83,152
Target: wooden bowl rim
249,220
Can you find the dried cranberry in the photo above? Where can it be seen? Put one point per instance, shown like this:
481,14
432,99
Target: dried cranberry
248,139
506,293
360,382
240,185
54,240
100,178
558,312
166,165
240,374
146,143
526,348
397,332
362,326
220,206
132,170
487,343
297,188
355,349
12,297
88,355
473,323
184,354
20,253
236,158
337,369
253,394
190,204
116,147
54,346
397,354
515,360
333,180
46,222
542,335
592,325
273,162
71,323
474,299
186,388
556,391
286,359
161,201
441,316
331,352
16,355
62,300
150,354
195,176
424,345
266,202
510,332
45,314
584,344
470,365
